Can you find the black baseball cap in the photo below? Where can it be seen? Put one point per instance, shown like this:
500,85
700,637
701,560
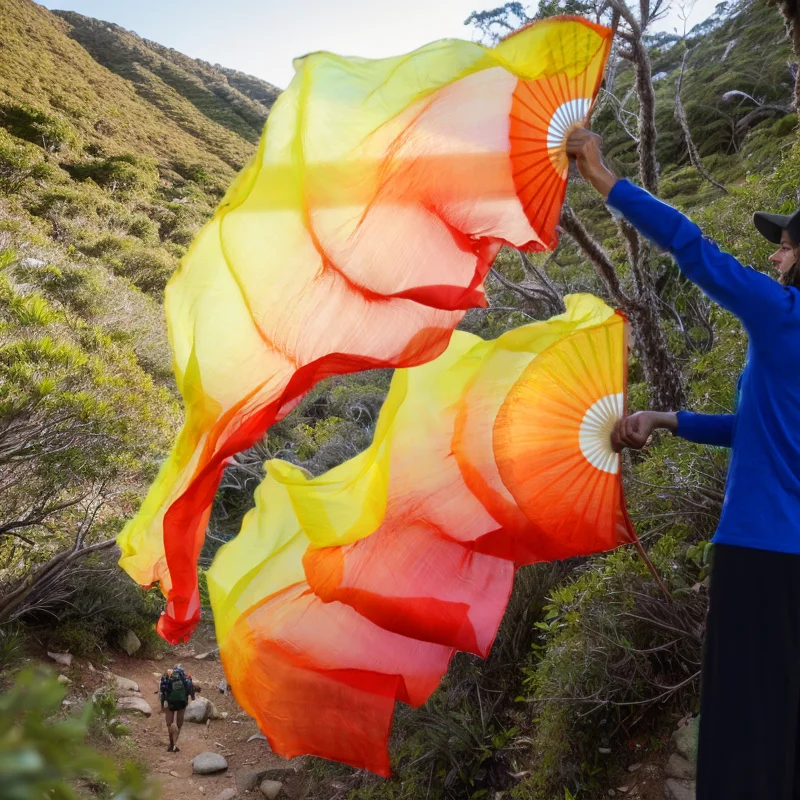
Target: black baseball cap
770,226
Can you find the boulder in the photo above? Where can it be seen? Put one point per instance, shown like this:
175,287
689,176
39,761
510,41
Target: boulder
678,767
271,789
64,679
208,763
125,683
134,704
198,711
680,790
65,659
130,642
686,738
247,779
128,693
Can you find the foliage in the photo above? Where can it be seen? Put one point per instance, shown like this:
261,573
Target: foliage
43,754
51,130
20,163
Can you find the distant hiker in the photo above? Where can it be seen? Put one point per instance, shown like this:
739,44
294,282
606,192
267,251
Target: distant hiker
175,691
750,686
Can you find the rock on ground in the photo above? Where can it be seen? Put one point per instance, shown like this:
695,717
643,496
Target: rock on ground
247,779
680,790
208,763
198,711
134,704
126,683
271,789
678,767
130,642
65,659
256,736
685,739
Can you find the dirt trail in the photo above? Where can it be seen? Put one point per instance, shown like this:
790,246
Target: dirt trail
228,737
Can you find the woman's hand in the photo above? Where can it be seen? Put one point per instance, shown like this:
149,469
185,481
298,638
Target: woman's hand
587,150
635,431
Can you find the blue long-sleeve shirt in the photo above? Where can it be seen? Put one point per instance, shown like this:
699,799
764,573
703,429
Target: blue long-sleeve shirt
762,496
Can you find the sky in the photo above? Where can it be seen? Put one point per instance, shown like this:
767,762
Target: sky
261,37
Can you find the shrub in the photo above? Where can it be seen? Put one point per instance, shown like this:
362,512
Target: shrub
49,130
20,163
42,753
125,173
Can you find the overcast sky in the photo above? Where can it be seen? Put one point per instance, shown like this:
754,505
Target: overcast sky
261,37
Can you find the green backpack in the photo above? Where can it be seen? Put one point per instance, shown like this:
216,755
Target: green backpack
177,691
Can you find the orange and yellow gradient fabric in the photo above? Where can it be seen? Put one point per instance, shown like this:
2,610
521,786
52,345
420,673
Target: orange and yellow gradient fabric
345,593
356,238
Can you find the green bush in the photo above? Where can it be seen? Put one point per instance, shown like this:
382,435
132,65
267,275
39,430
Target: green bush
19,164
50,130
43,754
125,173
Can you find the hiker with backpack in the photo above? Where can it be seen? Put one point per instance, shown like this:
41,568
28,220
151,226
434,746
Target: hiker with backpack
175,691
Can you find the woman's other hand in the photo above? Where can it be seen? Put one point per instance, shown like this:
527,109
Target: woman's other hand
587,150
635,431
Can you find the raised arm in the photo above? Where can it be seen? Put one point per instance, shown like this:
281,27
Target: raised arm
758,301
712,429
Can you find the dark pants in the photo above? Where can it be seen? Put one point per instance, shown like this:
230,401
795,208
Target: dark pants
750,692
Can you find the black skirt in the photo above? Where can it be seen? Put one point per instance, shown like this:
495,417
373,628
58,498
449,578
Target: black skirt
750,686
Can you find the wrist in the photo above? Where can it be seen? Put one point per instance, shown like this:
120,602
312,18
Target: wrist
603,179
666,419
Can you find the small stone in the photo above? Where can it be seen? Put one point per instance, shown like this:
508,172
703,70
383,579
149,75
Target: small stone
65,659
634,767
227,794
223,686
208,763
64,679
91,667
678,767
680,790
224,715
66,703
134,704
156,674
236,721
125,683
257,736
31,262
623,789
271,789
130,642
174,774
204,656
605,751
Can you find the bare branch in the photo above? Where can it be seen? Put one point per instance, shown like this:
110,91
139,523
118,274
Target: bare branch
680,115
597,256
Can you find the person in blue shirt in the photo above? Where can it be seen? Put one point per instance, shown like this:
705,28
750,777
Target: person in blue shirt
749,745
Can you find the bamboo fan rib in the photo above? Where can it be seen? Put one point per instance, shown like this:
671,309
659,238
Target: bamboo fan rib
543,114
552,436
